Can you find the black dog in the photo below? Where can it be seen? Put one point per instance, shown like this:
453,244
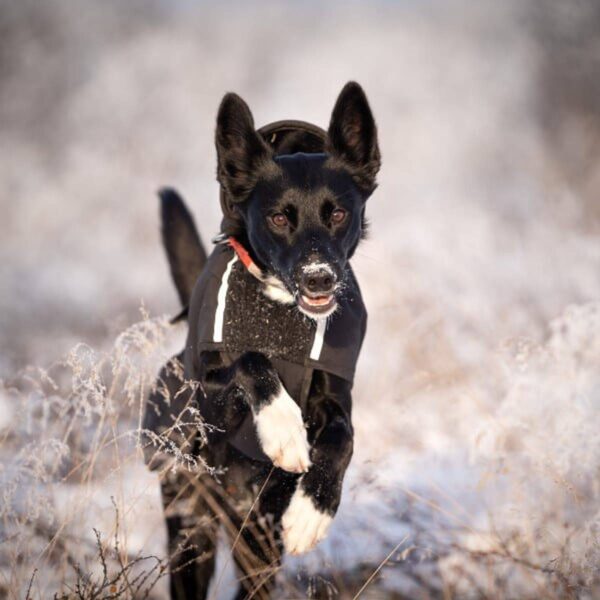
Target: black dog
276,322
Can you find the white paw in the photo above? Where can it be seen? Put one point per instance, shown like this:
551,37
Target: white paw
304,526
282,433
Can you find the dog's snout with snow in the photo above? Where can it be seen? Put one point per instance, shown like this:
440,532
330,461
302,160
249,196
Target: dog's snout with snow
317,284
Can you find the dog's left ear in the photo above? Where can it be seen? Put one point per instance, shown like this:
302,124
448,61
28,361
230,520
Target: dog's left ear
353,136
243,156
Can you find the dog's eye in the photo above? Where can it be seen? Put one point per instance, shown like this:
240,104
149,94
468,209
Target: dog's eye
279,220
338,215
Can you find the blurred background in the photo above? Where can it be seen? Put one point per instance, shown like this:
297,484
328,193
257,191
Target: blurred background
478,388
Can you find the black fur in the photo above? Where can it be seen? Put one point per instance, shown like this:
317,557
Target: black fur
243,156
307,189
353,136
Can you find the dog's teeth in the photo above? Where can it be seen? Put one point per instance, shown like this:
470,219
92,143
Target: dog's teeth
322,301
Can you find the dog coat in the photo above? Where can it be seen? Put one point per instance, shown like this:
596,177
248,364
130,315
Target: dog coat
236,317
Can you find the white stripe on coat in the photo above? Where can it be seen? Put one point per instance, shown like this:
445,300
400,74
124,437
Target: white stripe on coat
221,299
315,352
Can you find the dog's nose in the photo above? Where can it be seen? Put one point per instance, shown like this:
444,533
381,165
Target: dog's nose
318,280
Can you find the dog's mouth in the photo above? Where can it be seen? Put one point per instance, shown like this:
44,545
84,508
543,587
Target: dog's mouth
317,306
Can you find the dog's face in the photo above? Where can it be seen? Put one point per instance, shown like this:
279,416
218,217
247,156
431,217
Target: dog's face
303,213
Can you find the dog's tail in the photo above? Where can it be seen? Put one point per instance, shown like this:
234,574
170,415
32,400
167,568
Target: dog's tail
185,252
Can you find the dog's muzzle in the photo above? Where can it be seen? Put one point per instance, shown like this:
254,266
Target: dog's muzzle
316,290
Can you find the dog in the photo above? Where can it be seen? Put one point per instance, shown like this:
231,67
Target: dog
275,326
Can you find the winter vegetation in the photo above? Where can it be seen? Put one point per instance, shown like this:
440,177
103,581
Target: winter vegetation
476,471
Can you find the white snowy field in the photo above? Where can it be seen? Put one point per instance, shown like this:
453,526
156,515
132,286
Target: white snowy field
476,471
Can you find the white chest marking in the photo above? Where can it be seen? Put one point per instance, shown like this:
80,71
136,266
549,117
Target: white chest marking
276,291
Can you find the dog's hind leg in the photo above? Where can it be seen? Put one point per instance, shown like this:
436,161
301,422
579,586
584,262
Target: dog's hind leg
192,528
256,540
255,547
257,554
191,524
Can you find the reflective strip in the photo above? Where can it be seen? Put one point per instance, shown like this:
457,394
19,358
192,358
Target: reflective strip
315,351
221,299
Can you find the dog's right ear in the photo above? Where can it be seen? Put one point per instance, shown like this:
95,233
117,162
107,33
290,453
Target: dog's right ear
243,156
353,136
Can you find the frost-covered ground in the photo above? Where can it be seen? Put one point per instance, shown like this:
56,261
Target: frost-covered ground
477,404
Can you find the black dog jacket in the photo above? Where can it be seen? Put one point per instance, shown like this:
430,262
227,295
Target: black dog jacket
237,317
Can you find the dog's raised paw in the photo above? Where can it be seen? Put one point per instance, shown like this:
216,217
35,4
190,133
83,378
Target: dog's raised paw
282,433
303,524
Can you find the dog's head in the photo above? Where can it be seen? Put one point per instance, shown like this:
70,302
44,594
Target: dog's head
303,214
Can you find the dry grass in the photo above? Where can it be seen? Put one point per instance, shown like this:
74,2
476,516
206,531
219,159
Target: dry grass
75,439
74,428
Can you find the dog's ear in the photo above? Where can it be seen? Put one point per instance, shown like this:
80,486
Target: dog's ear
243,156
353,136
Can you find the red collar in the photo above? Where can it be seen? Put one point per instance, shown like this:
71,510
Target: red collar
245,258
270,283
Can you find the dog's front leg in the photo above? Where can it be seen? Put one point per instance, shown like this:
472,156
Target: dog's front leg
252,381
307,519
